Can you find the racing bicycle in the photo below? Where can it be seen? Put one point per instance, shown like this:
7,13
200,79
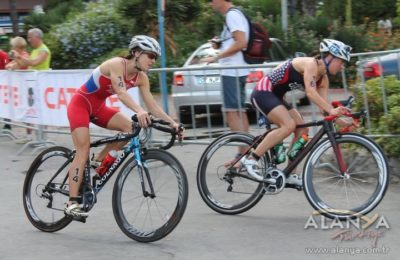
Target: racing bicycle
149,197
345,174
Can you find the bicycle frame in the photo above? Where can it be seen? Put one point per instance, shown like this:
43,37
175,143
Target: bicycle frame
327,128
133,147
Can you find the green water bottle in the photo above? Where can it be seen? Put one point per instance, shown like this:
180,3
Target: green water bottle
297,146
280,153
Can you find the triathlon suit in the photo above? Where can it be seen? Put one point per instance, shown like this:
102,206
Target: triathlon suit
270,90
88,104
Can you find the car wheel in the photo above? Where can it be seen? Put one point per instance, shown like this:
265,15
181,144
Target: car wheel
185,118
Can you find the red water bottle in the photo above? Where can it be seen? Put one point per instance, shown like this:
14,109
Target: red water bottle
107,162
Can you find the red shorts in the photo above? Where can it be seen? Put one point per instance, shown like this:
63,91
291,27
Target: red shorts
84,109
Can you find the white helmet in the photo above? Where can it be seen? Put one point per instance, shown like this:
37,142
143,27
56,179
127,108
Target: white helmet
145,43
336,48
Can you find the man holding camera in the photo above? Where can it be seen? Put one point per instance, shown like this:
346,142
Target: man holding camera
233,40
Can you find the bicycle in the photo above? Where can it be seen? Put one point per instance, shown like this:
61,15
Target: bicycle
149,197
345,174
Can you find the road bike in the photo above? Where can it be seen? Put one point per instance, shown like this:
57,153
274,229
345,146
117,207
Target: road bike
345,174
150,192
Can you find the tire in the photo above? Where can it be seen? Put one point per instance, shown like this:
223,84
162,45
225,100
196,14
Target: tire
147,219
304,101
213,177
43,206
346,196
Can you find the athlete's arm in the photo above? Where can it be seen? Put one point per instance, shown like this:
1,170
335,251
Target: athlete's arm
118,84
151,104
317,95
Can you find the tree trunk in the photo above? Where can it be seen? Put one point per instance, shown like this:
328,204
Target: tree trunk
308,7
14,17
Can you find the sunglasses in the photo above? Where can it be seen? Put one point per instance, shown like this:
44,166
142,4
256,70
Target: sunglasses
151,55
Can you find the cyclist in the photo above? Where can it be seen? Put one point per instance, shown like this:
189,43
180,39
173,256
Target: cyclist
307,73
114,76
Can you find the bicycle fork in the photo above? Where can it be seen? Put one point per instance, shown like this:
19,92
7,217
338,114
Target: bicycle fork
143,173
339,155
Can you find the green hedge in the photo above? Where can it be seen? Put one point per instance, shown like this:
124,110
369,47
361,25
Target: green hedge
381,123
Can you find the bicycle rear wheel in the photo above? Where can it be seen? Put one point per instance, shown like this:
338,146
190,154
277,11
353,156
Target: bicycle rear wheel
144,217
46,189
354,193
222,190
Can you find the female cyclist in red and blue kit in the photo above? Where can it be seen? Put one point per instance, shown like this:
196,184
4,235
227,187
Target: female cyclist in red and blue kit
113,76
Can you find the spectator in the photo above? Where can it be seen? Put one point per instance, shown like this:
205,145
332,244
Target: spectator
385,26
4,59
233,40
18,44
40,56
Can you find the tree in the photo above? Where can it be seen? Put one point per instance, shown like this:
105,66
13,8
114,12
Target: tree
14,16
143,14
360,9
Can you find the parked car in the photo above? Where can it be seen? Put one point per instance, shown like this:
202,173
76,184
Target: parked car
384,65
200,90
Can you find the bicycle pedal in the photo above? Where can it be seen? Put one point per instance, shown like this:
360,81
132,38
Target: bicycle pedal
80,219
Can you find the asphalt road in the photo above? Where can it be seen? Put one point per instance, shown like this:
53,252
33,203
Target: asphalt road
273,229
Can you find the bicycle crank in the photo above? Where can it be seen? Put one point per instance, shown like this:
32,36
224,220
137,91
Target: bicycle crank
272,188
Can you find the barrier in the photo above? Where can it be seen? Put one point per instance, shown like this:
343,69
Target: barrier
41,98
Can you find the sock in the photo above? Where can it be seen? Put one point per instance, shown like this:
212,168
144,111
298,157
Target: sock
255,156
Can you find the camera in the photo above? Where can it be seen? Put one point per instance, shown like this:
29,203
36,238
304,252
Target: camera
11,55
217,42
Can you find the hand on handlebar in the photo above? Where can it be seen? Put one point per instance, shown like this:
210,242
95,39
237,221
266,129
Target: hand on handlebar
339,111
179,131
143,118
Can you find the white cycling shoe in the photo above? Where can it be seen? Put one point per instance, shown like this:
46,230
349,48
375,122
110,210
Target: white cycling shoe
252,168
74,210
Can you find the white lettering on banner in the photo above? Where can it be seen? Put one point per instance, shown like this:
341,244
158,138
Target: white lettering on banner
42,97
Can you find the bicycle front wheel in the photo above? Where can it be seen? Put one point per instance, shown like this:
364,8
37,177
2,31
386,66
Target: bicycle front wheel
222,189
150,212
355,192
46,189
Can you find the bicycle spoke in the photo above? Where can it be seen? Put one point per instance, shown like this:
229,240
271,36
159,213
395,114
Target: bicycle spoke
361,188
149,218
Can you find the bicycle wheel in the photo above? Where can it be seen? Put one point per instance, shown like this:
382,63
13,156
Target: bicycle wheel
46,189
354,193
144,217
222,190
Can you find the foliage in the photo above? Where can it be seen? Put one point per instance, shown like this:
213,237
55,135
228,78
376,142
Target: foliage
381,123
374,10
56,12
87,36
144,16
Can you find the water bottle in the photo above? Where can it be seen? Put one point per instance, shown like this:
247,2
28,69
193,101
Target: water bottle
297,146
280,153
107,162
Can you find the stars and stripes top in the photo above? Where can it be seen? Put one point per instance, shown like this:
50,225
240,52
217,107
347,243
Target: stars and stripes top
282,79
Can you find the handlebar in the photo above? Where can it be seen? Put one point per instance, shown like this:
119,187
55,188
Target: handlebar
160,125
348,104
